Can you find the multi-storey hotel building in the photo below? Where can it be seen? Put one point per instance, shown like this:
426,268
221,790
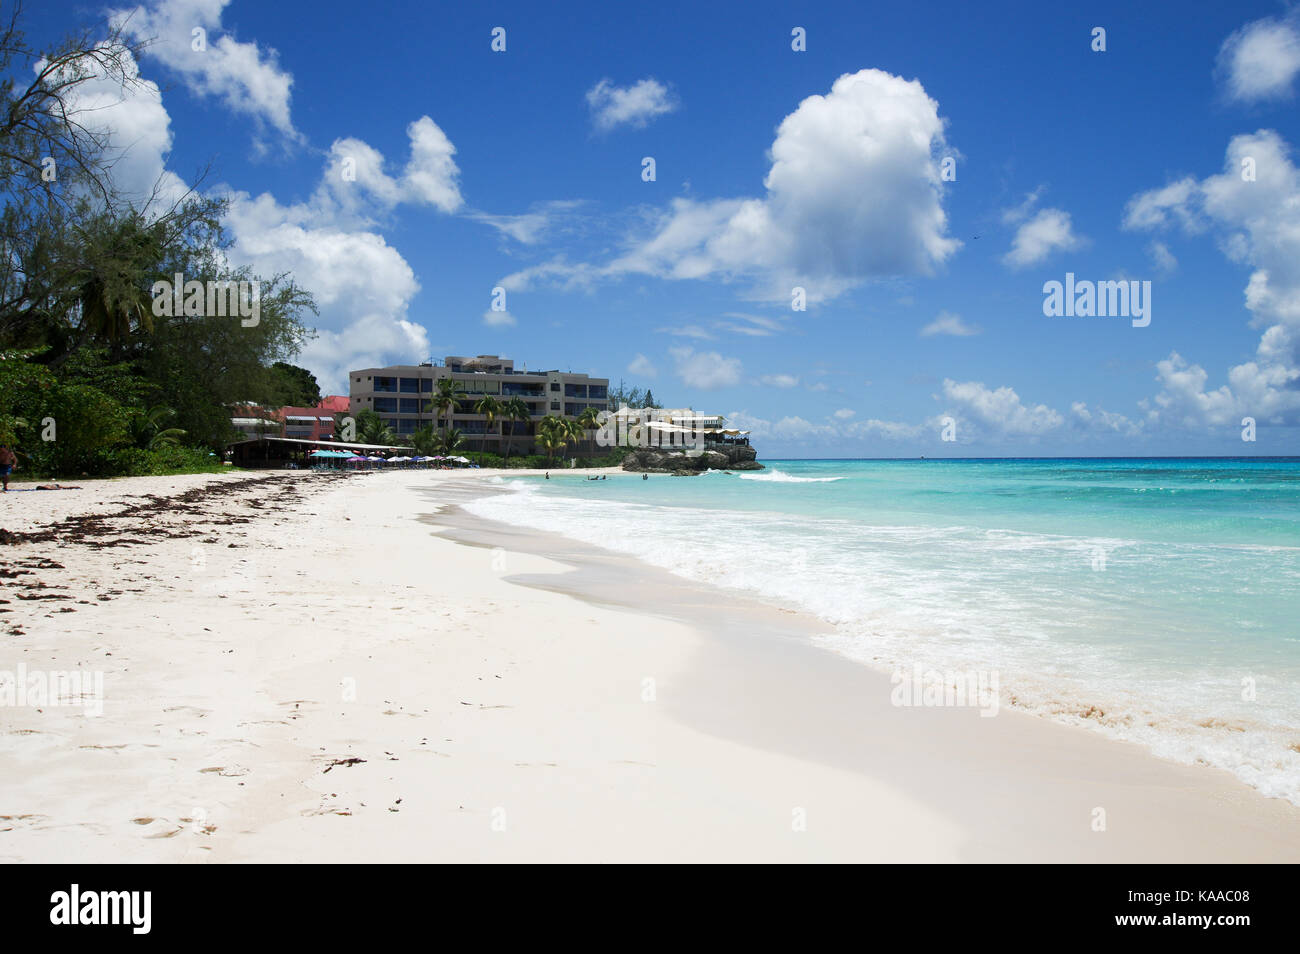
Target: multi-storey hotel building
400,394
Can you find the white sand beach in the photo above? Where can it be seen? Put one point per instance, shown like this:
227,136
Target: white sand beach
350,669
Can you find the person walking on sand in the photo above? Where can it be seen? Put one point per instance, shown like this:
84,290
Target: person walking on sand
7,462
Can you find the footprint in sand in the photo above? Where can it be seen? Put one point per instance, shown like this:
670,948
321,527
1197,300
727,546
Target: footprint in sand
12,822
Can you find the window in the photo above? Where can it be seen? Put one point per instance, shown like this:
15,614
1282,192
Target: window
511,389
386,405
410,405
410,385
555,385
426,384
386,384
555,405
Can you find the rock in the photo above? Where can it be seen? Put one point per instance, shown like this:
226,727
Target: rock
656,460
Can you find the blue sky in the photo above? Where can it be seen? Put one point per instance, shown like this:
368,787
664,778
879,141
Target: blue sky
775,168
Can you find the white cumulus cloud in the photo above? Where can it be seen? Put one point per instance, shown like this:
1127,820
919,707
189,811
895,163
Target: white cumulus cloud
997,411
707,370
634,105
244,76
642,367
948,323
1254,207
356,182
1162,258
853,193
1260,61
1037,238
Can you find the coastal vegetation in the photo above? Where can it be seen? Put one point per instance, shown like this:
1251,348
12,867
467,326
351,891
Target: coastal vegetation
92,381
95,380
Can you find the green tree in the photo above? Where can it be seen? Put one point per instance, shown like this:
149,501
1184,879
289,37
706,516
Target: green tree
79,263
552,435
424,441
588,421
113,291
447,398
371,429
46,126
449,441
293,386
514,409
201,364
83,423
147,431
623,396
489,407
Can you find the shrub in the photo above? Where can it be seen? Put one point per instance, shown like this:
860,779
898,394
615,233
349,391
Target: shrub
138,462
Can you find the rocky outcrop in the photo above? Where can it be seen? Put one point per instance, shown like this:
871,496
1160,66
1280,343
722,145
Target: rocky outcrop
655,460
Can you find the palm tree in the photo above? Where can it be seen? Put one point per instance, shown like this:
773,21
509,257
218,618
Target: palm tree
589,420
489,407
450,440
341,425
424,441
147,429
371,429
113,286
552,435
572,431
447,398
515,409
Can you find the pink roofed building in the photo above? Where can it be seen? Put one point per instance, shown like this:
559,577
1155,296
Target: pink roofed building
313,423
306,423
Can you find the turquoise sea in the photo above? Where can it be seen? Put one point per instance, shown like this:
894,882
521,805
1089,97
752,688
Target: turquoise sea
1156,600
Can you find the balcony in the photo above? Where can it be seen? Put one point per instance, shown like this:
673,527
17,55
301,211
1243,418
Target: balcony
520,390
